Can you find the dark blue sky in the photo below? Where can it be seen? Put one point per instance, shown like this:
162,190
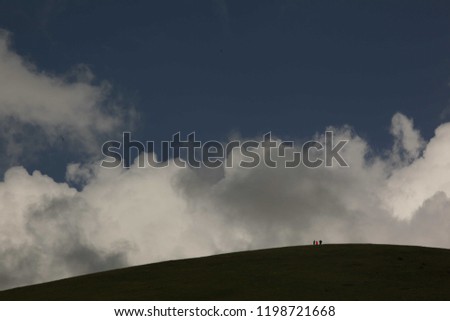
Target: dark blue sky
291,67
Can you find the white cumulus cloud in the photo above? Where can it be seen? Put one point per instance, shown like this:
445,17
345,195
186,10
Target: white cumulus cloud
38,109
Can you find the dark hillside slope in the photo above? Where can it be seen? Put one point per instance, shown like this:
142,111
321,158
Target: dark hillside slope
327,272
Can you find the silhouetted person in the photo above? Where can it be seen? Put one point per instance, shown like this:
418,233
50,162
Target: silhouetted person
314,242
320,242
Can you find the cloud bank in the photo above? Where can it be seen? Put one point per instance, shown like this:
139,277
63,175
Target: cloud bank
140,215
124,217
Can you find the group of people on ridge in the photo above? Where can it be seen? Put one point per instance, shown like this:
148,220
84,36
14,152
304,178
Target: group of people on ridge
317,242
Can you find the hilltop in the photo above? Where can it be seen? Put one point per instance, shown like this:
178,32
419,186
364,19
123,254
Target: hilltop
327,272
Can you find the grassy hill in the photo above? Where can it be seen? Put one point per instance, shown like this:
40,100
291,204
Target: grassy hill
327,272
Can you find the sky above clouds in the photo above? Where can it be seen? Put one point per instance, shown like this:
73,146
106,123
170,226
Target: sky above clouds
74,74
